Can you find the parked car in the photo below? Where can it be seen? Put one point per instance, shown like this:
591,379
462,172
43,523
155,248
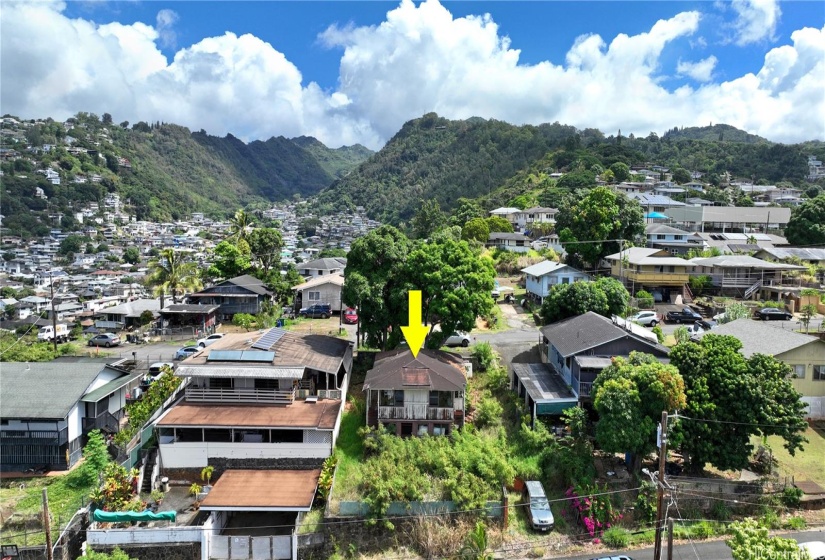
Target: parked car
206,341
156,369
187,351
458,339
773,314
686,315
815,549
541,518
646,318
106,339
322,310
350,316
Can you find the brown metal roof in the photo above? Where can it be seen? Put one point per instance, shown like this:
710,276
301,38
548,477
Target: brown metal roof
263,490
300,414
443,371
313,351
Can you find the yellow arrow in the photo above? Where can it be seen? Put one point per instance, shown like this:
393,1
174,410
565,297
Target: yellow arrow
415,333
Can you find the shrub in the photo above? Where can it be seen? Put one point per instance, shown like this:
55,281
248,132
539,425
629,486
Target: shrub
644,299
646,502
489,412
720,511
660,335
796,523
616,537
484,355
497,378
791,496
704,530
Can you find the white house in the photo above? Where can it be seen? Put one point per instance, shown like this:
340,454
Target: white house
516,242
320,289
541,277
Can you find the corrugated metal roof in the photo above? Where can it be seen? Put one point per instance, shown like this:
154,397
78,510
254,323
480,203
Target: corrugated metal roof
234,371
110,387
264,490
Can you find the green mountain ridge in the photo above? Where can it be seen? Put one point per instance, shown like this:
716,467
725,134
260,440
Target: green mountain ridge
162,171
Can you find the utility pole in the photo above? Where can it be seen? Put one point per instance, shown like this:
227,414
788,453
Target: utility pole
47,524
54,315
669,538
660,488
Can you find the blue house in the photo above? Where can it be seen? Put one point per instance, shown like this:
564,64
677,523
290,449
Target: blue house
541,277
674,240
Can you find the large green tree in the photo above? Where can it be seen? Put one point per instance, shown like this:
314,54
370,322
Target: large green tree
230,260
265,248
173,274
476,229
428,219
731,398
597,221
629,396
606,296
240,225
807,223
621,172
374,284
455,284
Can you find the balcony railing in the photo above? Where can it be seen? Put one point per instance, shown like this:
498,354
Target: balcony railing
34,437
320,393
415,412
585,388
667,278
106,421
244,396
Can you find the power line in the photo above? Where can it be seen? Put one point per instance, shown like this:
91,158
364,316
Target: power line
709,420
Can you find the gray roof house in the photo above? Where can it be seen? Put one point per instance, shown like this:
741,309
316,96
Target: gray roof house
49,407
322,267
570,346
541,277
242,294
416,395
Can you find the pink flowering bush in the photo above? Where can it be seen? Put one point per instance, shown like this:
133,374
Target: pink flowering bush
595,512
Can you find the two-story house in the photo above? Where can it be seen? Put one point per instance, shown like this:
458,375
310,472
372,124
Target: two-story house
651,269
416,395
803,353
578,348
243,294
48,409
541,277
320,289
527,219
322,267
676,241
257,401
742,275
509,213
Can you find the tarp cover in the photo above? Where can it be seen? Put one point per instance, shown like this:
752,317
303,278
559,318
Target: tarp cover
122,516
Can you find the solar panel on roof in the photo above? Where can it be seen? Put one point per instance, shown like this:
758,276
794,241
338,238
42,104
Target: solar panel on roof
269,338
240,356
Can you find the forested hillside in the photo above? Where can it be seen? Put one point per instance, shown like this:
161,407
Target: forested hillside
435,158
161,171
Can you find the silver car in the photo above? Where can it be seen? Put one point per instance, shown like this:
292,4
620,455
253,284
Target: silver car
646,318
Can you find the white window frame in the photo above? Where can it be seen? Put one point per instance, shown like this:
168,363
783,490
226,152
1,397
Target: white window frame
314,296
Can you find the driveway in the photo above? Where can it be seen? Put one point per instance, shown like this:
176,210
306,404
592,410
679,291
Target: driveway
518,344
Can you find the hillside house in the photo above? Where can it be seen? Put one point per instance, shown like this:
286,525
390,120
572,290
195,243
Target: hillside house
416,396
676,241
515,242
243,294
651,269
322,267
320,289
541,277
742,274
803,353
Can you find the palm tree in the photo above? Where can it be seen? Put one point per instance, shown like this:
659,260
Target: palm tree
239,225
172,274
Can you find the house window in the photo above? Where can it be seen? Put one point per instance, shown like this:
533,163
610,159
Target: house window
565,280
819,372
266,384
441,399
399,398
798,371
287,436
220,383
314,296
423,430
659,236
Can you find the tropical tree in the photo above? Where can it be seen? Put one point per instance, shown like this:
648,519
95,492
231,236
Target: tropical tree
476,229
629,396
428,219
373,283
499,224
807,223
230,259
265,247
731,398
681,176
171,273
620,171
239,225
131,255
599,220
455,284
606,296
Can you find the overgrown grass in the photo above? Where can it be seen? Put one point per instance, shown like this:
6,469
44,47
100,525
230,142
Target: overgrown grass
25,498
805,465
350,452
312,521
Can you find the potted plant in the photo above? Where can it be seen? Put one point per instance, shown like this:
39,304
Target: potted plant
195,489
157,495
206,476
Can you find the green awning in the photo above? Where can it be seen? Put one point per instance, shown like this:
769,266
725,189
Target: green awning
109,388
554,408
126,516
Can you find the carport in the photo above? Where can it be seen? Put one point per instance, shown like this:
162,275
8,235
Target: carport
544,392
255,512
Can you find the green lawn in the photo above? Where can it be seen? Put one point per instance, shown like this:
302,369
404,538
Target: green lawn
805,465
350,452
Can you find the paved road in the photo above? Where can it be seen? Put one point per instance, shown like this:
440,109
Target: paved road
701,550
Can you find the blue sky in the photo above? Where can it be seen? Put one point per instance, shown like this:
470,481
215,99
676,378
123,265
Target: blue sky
350,72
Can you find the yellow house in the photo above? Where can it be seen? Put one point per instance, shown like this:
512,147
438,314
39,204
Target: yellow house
805,354
649,267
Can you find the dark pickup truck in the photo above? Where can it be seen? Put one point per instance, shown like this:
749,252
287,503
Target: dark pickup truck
686,315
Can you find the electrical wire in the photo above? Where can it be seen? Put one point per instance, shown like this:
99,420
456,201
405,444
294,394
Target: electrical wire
708,420
13,344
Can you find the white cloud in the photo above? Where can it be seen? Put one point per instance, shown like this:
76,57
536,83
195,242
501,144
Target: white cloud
166,19
756,20
420,59
701,71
